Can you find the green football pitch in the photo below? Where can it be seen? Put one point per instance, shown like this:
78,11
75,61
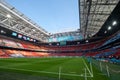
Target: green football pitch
49,69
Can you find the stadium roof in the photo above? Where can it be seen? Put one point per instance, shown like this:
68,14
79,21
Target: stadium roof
93,14
77,32
14,20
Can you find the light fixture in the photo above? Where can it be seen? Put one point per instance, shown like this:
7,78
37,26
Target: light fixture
109,28
114,23
57,43
8,15
105,32
86,41
78,42
33,29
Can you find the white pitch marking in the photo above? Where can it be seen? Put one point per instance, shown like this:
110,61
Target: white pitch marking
91,68
59,73
44,72
87,67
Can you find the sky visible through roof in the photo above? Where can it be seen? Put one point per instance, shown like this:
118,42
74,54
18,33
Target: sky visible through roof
54,16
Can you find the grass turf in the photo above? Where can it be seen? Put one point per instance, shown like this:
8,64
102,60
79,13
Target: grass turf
48,69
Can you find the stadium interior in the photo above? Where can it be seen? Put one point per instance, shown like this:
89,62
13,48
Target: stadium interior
98,37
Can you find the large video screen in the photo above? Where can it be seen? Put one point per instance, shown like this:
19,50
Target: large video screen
65,38
13,34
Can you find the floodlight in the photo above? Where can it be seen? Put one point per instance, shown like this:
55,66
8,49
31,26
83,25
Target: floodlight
105,32
114,23
109,28
33,29
86,41
8,15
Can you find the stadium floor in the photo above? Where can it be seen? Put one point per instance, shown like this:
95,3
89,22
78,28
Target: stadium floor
49,69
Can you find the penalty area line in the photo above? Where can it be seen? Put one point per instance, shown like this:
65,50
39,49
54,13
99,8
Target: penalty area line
87,68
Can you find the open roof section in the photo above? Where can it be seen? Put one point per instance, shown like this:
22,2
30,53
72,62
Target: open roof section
12,19
93,14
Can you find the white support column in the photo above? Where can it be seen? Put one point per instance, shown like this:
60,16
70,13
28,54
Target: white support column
4,20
